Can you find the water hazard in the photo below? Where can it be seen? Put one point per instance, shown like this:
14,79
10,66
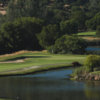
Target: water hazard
50,85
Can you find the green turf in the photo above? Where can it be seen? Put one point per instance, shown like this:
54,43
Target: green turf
87,33
32,59
96,72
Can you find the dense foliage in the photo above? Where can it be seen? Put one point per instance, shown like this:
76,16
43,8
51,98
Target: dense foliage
98,31
20,34
94,22
31,23
48,35
92,62
68,27
54,11
69,44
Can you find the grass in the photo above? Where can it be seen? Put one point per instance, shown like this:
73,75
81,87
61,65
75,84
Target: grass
93,33
45,61
96,72
89,36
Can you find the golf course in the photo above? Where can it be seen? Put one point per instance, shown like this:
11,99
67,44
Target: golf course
24,62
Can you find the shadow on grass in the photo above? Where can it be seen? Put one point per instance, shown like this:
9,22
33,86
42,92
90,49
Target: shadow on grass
25,57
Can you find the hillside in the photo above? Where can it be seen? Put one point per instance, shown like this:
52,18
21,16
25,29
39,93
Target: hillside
34,23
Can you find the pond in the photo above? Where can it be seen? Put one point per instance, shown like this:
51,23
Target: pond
50,85
93,48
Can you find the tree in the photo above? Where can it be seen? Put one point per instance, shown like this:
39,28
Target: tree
93,22
26,8
81,2
68,27
51,11
16,9
2,19
79,16
69,44
48,35
4,2
94,6
21,34
98,31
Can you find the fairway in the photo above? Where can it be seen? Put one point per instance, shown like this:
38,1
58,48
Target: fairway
87,33
90,36
37,59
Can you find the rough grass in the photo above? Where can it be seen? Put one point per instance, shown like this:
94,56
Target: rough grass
42,59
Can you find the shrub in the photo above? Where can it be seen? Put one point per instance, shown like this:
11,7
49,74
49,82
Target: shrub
91,62
79,71
69,44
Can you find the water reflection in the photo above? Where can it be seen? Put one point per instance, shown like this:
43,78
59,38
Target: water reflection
47,86
92,90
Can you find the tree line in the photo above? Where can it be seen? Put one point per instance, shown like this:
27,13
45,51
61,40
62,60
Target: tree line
43,24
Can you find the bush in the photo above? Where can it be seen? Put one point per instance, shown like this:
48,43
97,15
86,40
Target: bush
79,71
91,62
69,44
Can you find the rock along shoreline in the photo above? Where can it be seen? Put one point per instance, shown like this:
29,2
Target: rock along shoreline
88,76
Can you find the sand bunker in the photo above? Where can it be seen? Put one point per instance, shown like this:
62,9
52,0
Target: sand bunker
15,61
